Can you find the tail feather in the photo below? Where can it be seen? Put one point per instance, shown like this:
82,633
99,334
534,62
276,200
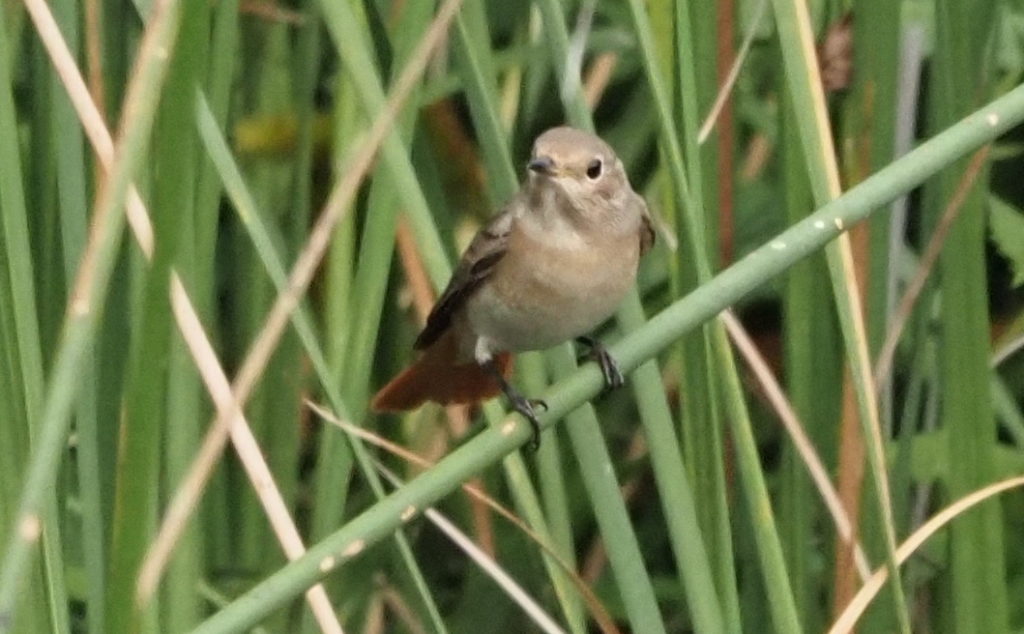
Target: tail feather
436,376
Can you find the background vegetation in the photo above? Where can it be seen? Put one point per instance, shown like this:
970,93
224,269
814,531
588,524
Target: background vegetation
194,313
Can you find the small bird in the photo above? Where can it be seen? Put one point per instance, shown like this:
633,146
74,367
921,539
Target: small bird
553,265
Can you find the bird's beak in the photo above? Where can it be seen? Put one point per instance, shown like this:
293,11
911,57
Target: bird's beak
542,165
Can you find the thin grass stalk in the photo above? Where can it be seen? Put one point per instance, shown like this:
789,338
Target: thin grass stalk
963,73
25,357
145,417
707,242
704,34
726,288
699,399
220,73
32,605
814,377
33,253
178,154
73,201
339,311
181,606
610,511
38,167
217,86
871,141
805,87
341,314
90,290
267,87
474,61
556,498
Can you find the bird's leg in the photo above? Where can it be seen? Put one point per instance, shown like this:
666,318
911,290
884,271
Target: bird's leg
609,366
525,406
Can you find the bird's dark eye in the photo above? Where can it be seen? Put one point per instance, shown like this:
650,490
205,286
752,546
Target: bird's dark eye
594,169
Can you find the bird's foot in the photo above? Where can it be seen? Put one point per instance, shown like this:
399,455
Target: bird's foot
613,378
525,406
528,408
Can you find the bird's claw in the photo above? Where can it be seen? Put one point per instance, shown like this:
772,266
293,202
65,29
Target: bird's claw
528,408
613,378
525,406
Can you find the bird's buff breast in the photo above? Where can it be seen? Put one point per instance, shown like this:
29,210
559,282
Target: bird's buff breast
541,295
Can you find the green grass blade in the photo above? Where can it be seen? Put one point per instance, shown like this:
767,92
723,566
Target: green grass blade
175,197
977,591
22,338
73,200
602,485
814,381
146,419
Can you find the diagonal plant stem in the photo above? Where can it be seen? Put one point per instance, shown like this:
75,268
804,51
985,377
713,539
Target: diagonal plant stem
734,72
88,295
187,319
704,303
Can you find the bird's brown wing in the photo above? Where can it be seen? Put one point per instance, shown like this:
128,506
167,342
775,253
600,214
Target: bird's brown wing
477,264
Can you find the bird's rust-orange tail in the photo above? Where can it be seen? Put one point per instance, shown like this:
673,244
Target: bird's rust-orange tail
435,376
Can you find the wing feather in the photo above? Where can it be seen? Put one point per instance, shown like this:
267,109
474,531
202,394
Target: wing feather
477,264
